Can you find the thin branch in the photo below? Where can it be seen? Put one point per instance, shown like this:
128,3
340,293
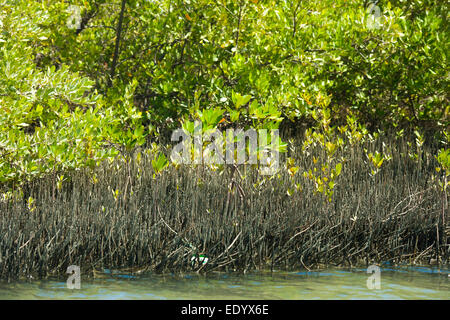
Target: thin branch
116,49
295,19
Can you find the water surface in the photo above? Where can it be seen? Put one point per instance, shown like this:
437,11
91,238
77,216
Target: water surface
396,283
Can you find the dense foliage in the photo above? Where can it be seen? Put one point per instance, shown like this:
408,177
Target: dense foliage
84,81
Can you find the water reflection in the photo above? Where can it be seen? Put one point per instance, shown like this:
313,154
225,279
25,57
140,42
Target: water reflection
396,283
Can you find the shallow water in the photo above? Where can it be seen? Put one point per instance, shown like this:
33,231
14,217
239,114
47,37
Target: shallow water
396,283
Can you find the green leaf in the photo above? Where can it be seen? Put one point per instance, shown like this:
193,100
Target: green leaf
338,169
159,163
234,115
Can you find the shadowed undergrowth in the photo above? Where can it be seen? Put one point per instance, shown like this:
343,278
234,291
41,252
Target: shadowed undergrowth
126,217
